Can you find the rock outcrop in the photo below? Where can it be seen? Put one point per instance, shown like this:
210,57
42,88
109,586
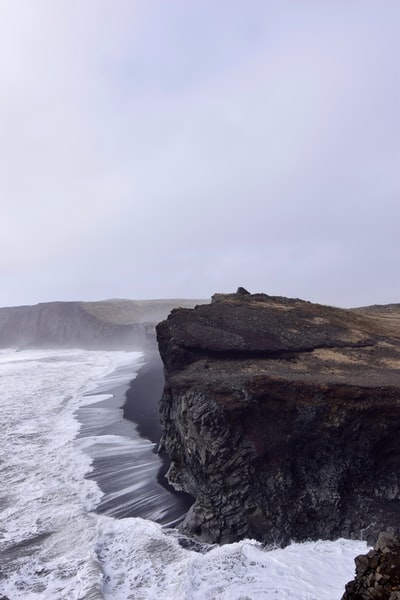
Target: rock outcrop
282,418
378,572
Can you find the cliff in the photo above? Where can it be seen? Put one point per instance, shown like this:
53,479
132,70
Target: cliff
281,418
378,572
108,324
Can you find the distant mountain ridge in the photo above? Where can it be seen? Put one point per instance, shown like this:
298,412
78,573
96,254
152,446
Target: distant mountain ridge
106,324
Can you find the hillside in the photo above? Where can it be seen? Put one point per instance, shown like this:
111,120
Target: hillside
107,324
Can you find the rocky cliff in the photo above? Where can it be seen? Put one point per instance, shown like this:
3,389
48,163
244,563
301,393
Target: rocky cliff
108,324
282,418
378,572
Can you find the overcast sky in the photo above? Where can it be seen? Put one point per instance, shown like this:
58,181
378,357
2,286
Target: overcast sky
177,148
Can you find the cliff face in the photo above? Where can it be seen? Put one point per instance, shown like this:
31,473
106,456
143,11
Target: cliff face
282,418
378,572
109,324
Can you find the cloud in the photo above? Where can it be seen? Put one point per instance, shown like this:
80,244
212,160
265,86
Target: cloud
156,149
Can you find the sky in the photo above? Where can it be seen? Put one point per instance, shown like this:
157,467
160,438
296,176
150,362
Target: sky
178,148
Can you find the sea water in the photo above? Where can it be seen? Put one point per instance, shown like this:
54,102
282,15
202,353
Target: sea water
60,535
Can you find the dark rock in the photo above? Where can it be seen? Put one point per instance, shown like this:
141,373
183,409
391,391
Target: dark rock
281,418
242,291
378,572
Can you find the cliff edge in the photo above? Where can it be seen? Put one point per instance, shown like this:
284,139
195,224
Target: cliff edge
282,418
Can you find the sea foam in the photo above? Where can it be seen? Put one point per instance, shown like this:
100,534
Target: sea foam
53,543
48,528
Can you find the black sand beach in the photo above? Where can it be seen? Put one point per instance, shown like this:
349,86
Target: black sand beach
141,407
126,430
143,395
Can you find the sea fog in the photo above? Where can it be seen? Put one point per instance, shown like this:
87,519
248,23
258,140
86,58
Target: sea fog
72,474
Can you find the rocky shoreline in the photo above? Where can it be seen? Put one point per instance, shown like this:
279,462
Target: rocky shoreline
378,572
281,417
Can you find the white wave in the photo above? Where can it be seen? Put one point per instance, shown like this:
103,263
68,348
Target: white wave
47,532
54,547
143,562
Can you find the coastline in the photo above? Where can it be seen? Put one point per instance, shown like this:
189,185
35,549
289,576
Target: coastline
121,432
141,406
143,395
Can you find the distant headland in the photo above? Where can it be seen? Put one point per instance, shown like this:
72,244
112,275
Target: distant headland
106,324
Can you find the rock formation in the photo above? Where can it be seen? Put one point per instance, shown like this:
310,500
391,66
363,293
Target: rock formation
282,418
378,572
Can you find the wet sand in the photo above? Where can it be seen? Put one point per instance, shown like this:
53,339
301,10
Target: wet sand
128,470
143,396
141,407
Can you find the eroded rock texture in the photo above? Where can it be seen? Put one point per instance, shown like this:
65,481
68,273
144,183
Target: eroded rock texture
282,418
378,572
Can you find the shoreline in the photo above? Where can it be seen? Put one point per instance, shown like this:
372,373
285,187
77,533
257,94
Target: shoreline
129,471
141,406
143,395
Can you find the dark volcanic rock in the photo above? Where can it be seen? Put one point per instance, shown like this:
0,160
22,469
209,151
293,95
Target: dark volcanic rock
378,572
281,417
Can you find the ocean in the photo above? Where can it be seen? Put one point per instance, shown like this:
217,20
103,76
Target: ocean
82,516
